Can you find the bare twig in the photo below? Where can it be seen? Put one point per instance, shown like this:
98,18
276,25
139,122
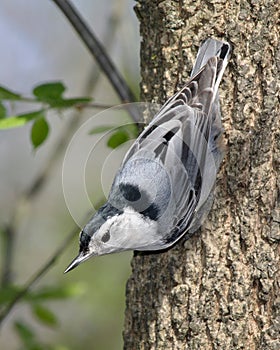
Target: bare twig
34,189
109,40
94,105
99,53
9,234
39,274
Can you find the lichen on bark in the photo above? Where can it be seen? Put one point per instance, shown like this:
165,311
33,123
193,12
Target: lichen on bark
221,288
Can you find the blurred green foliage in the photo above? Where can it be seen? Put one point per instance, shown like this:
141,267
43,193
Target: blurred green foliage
37,302
49,96
117,135
46,317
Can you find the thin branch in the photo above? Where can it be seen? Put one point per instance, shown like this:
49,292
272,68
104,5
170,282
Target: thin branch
39,274
36,187
9,235
38,183
99,53
94,105
109,40
90,85
44,269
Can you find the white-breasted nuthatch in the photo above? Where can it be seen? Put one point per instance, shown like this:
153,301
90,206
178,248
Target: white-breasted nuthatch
163,189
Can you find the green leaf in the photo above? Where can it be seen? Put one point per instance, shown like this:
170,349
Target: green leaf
132,130
49,91
24,332
10,292
28,338
101,129
3,112
39,132
6,94
118,138
62,292
44,315
19,120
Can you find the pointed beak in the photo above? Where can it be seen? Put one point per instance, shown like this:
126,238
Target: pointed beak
79,259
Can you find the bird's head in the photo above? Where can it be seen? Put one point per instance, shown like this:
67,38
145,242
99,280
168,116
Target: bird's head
95,236
113,230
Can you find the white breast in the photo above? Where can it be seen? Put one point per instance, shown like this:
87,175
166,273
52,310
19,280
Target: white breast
132,230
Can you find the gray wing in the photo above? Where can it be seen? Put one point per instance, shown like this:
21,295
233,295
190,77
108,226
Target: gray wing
173,163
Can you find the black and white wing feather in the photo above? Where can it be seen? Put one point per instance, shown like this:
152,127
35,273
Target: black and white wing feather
177,155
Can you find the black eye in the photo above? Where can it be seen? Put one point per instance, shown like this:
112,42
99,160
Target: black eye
105,238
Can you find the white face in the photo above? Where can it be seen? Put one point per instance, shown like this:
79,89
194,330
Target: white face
127,231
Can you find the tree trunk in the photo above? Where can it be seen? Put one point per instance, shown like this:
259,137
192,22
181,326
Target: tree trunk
221,288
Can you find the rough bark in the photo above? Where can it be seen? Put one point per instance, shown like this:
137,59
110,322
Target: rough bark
221,288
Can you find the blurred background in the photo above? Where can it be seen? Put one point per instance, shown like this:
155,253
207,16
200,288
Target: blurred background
39,45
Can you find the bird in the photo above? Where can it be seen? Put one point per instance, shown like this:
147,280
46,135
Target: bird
163,189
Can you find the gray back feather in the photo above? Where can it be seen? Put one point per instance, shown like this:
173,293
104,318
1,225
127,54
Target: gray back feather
174,162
